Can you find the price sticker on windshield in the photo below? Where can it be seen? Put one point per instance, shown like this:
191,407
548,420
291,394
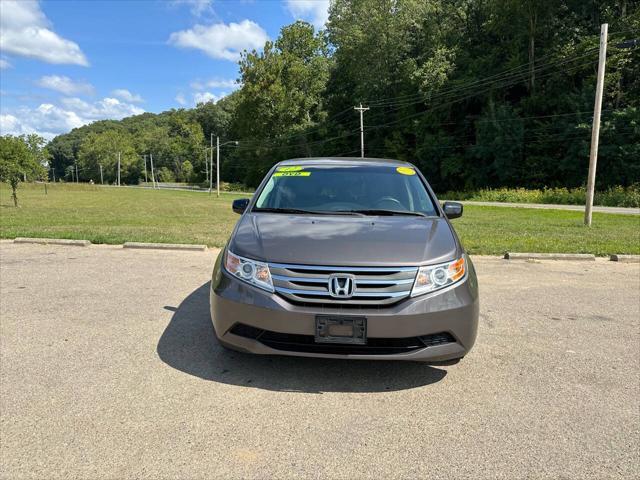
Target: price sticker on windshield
292,174
406,171
295,168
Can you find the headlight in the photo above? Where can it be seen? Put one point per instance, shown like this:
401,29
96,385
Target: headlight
435,277
251,271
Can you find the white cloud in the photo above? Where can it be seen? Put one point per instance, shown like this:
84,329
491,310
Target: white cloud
50,120
47,120
204,97
127,96
102,109
4,64
314,11
180,98
221,40
65,85
9,124
215,83
26,31
198,7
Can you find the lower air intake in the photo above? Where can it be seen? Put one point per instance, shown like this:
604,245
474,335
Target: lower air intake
306,343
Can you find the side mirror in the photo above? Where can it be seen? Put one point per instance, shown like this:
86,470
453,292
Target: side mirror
452,209
240,205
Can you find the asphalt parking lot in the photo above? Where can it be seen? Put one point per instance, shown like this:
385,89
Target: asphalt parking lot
109,369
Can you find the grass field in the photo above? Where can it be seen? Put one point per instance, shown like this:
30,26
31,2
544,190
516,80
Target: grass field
115,215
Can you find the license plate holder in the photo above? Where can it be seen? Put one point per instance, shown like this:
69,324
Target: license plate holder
351,330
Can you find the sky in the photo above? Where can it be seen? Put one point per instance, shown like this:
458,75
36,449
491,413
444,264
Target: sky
66,63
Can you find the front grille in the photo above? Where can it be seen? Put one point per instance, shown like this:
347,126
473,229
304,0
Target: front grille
306,343
374,286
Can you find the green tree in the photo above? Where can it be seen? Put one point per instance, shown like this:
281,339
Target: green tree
281,98
216,118
186,172
186,143
19,160
166,175
103,149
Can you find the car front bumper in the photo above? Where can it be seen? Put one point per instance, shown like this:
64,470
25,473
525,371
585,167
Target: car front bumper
452,311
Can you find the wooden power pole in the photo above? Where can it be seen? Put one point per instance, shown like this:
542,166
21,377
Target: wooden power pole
153,176
595,129
361,109
118,168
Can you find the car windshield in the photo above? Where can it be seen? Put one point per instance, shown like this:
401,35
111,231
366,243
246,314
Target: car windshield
356,189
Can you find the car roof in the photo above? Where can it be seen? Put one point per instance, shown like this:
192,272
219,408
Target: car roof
344,161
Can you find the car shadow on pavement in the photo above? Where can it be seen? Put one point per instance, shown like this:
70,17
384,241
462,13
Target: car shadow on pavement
189,344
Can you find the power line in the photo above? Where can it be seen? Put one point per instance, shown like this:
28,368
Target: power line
306,132
316,142
477,83
515,72
254,145
462,98
500,82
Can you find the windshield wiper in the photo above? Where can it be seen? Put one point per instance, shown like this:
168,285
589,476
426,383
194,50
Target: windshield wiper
374,211
305,212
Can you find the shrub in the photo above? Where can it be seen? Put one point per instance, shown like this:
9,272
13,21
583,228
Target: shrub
234,187
612,197
165,175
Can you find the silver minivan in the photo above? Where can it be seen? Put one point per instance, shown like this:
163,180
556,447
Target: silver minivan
346,258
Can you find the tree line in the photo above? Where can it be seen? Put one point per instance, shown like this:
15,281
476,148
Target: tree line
487,93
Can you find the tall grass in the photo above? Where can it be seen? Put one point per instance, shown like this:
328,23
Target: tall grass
612,197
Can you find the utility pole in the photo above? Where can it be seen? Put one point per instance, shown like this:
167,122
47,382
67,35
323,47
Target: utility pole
218,145
361,109
145,168
101,177
153,177
595,129
211,164
218,166
206,163
118,168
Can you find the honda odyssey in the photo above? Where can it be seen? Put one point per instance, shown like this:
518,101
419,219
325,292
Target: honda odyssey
345,258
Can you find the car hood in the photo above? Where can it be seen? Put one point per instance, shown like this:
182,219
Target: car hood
344,240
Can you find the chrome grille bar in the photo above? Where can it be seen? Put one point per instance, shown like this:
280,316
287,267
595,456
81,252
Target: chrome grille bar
356,294
325,278
342,269
374,286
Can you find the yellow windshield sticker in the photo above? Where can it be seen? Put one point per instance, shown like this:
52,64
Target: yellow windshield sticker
292,174
295,168
406,171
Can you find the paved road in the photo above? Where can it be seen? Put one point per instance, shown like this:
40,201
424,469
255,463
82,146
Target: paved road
545,206
109,369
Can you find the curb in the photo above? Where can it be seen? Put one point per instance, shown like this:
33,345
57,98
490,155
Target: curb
165,246
550,256
53,241
625,258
